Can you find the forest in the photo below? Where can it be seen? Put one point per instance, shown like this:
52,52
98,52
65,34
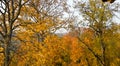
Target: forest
31,33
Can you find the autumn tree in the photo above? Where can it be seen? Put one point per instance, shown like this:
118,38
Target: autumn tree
98,21
47,16
54,50
39,19
9,11
27,32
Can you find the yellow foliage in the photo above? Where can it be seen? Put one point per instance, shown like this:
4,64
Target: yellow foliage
1,59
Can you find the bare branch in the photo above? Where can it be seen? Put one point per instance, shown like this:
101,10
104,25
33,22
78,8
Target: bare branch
15,27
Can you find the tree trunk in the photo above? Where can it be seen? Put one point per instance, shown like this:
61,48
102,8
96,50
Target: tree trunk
6,52
103,48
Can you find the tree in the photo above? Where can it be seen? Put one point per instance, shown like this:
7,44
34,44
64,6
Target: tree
54,50
47,17
9,11
28,38
35,27
93,13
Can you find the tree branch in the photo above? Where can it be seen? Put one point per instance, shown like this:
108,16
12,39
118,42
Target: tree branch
15,27
96,55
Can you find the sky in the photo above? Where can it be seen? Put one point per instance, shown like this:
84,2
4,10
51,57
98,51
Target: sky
70,2
115,18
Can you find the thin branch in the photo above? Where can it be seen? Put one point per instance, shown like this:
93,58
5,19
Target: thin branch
4,22
25,2
15,27
2,34
19,9
13,9
96,55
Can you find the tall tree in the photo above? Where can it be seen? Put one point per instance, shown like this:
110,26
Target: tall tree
35,27
9,11
98,19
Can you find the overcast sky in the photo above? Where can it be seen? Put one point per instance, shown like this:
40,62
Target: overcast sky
116,18
70,2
